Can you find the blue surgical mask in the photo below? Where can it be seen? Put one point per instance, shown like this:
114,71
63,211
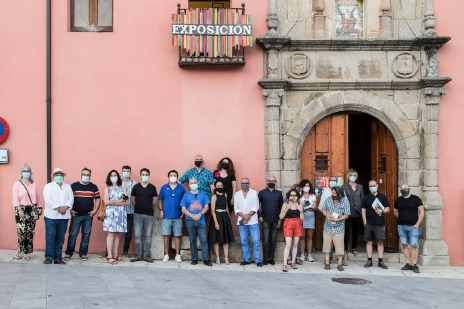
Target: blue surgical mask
373,189
194,187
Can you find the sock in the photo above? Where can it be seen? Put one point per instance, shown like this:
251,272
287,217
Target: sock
380,260
369,259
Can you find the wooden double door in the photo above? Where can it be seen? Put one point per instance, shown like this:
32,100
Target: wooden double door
330,151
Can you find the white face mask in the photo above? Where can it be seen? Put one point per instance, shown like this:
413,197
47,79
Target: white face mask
194,187
145,178
126,175
114,179
26,175
173,179
332,184
306,189
374,189
85,179
353,178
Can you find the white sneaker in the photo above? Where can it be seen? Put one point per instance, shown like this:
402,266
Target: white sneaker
166,258
310,258
178,258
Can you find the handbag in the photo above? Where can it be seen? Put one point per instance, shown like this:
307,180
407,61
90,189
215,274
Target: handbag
36,212
101,214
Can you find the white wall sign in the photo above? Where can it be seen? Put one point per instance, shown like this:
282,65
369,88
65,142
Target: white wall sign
3,156
212,30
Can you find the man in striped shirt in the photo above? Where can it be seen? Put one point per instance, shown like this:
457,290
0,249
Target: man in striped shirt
86,195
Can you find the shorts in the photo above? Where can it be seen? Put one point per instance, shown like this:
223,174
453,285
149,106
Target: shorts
338,241
409,235
293,227
374,233
171,227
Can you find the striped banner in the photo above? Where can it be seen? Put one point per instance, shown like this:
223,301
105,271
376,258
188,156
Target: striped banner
212,45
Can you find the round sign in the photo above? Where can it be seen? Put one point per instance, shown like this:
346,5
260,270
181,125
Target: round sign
4,130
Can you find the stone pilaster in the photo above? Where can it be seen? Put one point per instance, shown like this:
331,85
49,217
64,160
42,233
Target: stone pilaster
386,20
429,19
272,19
273,101
319,19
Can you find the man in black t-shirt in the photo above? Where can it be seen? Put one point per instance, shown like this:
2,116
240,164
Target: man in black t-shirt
410,212
374,207
144,197
86,195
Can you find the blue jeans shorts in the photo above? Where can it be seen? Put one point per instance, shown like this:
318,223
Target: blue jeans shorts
171,227
409,235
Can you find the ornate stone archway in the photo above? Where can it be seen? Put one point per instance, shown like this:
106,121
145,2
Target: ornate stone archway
310,75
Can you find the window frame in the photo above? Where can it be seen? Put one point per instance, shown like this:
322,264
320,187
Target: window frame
90,27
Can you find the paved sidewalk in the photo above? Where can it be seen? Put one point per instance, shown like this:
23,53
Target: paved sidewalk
354,268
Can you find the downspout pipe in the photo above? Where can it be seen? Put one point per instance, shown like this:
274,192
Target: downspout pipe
49,87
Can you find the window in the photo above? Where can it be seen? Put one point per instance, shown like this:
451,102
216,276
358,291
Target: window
91,15
201,4
349,19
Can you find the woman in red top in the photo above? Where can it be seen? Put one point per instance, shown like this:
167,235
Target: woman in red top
292,215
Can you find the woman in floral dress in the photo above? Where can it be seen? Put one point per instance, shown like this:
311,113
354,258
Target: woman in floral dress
115,223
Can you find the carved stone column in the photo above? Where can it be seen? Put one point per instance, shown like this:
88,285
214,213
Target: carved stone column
272,19
273,102
386,20
319,19
429,19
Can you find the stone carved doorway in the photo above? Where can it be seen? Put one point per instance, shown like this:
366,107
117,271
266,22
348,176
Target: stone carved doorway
353,140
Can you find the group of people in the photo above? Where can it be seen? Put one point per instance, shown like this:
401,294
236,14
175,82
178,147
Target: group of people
208,204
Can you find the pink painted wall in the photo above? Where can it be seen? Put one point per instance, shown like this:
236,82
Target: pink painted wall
120,98
451,143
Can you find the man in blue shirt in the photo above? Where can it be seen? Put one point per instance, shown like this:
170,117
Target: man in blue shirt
170,212
203,176
194,206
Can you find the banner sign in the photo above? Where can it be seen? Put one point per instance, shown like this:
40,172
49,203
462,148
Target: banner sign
212,30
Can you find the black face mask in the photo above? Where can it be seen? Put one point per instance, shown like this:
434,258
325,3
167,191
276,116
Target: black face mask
225,166
198,163
404,193
220,190
271,185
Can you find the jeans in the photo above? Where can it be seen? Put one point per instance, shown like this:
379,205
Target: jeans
269,240
409,235
55,229
245,232
197,229
128,235
84,224
143,230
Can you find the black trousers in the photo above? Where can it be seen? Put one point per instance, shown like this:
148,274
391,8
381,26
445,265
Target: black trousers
128,235
269,240
353,228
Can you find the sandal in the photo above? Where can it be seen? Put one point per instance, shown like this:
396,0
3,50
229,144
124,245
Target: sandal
110,260
294,266
285,268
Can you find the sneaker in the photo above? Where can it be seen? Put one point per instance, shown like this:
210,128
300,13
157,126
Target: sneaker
194,262
84,258
340,268
67,257
148,260
260,264
178,258
166,258
415,269
59,262
48,261
406,267
243,263
207,263
368,264
272,262
136,259
310,258
299,261
382,265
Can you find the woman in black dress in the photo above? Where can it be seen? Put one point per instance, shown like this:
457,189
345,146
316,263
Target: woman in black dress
225,173
221,227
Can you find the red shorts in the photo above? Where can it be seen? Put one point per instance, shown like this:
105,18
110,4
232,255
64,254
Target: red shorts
293,227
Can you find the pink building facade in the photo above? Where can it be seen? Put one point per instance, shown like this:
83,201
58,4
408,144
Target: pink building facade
120,97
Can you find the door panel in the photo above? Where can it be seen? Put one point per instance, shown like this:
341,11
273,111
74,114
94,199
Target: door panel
324,154
384,158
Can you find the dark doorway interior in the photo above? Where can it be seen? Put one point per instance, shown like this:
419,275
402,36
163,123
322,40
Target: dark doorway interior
359,146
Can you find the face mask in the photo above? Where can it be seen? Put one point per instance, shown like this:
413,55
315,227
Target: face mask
245,186
271,185
353,178
194,187
145,178
220,190
59,179
373,189
85,179
225,166
26,175
126,175
114,179
405,193
198,163
173,179
332,184
306,189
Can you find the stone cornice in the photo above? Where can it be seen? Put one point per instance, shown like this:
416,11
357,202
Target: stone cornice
356,85
278,42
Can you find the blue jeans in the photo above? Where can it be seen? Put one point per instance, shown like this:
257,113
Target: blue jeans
55,229
143,230
83,224
409,235
197,229
245,232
